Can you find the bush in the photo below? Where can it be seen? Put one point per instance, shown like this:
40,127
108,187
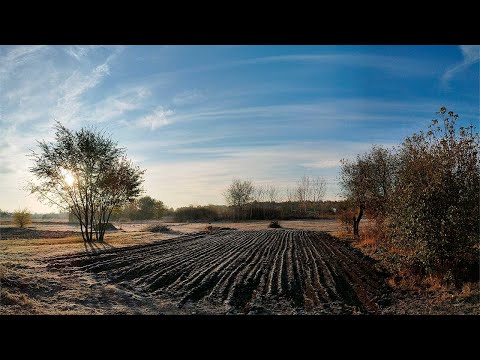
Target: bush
157,228
22,218
274,224
433,220
345,219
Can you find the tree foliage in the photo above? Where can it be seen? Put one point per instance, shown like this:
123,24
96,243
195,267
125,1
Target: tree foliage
434,219
367,183
22,217
87,174
239,194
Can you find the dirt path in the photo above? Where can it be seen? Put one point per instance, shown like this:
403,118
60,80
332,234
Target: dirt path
255,271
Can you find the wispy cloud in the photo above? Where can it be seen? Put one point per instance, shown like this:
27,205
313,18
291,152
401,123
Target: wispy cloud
13,57
158,118
471,55
388,63
391,64
188,97
80,52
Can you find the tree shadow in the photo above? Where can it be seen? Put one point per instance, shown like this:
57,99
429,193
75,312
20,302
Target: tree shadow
96,247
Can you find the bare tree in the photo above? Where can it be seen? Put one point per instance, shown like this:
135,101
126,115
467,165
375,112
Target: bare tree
302,192
272,193
239,194
290,193
317,191
272,196
86,173
259,196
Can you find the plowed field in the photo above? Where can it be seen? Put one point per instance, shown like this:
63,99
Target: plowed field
265,271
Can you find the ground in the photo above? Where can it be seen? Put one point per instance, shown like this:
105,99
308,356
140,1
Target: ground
58,276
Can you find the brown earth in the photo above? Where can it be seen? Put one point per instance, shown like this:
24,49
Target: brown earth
8,233
268,271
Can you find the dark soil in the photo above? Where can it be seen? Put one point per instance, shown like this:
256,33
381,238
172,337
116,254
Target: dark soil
261,272
7,233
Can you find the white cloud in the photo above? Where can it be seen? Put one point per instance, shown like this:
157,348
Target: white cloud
80,52
471,55
13,57
69,104
118,104
158,118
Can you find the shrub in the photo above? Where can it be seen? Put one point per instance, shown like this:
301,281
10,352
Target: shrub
433,220
274,224
345,219
22,218
157,228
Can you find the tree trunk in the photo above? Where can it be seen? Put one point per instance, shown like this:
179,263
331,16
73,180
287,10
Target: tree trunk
356,223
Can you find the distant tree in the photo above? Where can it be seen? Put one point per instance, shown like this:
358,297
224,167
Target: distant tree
4,214
146,208
86,173
291,196
367,183
238,195
272,193
302,192
160,209
317,189
258,197
22,218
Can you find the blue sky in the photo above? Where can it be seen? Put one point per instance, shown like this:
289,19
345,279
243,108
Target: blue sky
197,116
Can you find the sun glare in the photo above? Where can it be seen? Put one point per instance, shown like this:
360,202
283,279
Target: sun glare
68,177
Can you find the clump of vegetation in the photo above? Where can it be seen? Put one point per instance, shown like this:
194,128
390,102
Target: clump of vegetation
157,228
274,225
144,208
345,219
22,218
423,199
198,213
433,221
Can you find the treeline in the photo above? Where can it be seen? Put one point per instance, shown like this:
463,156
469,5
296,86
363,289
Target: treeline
260,211
144,208
5,214
424,199
48,216
248,201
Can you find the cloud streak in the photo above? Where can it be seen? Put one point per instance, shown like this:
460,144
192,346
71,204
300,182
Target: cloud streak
471,55
158,118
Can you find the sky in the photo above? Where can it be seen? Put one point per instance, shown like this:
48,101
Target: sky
197,116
